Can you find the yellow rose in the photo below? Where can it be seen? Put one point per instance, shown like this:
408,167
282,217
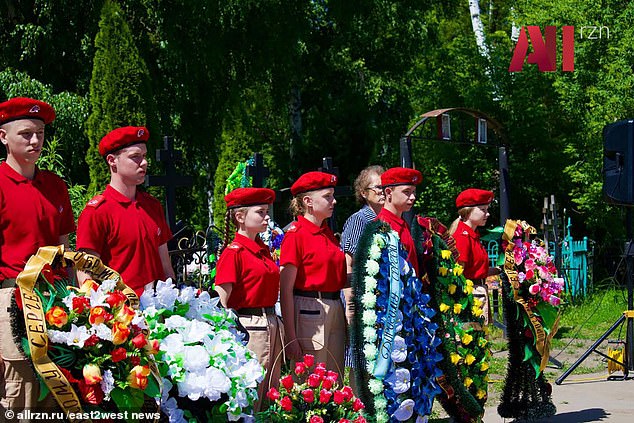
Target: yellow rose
481,394
476,311
467,338
484,366
443,307
138,377
92,374
469,359
455,358
124,315
446,254
457,308
120,333
467,381
56,316
442,271
452,289
457,270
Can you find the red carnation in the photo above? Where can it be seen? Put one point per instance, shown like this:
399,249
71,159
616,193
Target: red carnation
273,394
324,396
308,395
119,354
91,341
68,375
80,304
286,403
358,405
300,368
309,360
360,419
287,382
135,360
339,397
314,380
344,421
316,419
139,341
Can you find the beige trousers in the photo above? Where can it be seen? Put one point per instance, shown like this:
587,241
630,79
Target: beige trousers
265,340
320,327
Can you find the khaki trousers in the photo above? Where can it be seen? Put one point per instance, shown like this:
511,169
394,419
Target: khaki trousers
481,292
265,340
320,327
19,386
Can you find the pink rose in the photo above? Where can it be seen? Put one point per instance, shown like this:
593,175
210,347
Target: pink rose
534,289
309,395
287,382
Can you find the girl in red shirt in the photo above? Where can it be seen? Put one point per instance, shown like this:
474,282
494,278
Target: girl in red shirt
473,211
313,274
248,280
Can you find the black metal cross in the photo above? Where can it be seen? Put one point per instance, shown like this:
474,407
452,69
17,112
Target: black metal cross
169,157
258,171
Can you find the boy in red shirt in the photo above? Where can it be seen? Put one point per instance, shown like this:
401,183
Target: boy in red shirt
36,212
125,227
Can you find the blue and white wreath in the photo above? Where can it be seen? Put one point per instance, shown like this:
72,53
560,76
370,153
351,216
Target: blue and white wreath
393,337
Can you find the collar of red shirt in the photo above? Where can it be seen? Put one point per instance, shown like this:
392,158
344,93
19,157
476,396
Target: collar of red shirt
312,228
113,194
256,247
390,218
10,173
463,227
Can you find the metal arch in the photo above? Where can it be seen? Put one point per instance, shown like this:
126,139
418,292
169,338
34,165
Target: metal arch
406,155
475,113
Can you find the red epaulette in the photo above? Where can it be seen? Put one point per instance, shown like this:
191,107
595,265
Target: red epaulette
95,201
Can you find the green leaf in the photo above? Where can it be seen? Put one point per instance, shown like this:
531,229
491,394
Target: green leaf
548,313
43,390
26,347
128,399
528,352
153,389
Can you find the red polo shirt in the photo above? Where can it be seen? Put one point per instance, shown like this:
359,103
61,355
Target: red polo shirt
401,227
33,214
472,252
248,265
314,250
126,234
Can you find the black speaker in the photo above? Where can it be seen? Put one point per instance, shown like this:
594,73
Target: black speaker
618,162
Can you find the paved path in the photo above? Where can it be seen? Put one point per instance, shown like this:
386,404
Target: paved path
579,399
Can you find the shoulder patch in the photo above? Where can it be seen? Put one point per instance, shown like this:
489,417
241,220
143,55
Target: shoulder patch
292,228
96,201
234,246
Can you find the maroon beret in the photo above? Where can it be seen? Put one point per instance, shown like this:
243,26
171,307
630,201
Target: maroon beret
244,197
473,197
26,108
123,137
401,176
312,181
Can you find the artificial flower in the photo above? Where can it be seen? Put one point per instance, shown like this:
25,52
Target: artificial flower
118,354
124,315
91,394
56,316
455,358
443,307
451,288
442,271
308,395
139,341
120,333
115,299
97,315
467,381
457,270
466,338
92,374
469,359
405,410
138,377
457,308
445,254
286,403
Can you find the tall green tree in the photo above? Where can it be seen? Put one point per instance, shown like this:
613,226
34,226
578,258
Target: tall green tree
120,90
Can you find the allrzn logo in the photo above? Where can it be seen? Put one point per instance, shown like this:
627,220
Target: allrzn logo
544,49
544,53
